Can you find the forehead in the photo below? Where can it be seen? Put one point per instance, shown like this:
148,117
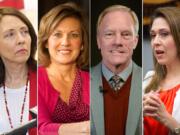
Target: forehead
159,23
10,21
68,23
117,18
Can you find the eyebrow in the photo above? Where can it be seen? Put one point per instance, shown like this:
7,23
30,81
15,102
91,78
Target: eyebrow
8,30
162,29
12,29
59,30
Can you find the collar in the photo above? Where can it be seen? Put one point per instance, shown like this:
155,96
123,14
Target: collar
107,73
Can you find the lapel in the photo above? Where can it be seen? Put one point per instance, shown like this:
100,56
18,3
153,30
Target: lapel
97,103
135,101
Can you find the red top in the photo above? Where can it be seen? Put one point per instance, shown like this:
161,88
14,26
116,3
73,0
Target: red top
48,102
18,4
76,110
116,107
153,127
33,96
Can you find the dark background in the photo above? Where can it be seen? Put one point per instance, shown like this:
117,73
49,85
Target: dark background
45,5
98,6
93,9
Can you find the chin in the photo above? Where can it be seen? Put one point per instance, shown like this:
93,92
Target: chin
119,61
161,62
65,62
21,61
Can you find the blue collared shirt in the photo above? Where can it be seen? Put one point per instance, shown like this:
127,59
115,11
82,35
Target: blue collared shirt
124,74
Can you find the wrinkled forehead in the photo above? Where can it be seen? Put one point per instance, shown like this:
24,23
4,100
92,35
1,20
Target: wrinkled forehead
10,22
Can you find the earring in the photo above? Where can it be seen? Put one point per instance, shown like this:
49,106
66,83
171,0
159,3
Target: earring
82,47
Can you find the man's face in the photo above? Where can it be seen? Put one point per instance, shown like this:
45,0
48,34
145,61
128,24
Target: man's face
117,38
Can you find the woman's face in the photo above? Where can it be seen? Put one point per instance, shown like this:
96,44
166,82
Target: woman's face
162,42
15,40
65,42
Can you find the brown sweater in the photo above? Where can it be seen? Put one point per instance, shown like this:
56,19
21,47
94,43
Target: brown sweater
116,107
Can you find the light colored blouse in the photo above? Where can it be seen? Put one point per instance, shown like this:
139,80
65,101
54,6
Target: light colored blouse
15,99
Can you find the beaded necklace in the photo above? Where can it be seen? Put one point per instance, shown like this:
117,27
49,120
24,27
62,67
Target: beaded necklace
22,109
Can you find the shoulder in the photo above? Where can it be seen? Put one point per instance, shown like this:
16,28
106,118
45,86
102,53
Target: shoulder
148,75
41,72
42,75
136,67
96,68
32,72
41,69
32,75
85,75
137,73
147,79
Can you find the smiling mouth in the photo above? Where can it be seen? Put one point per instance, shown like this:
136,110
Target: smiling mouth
116,51
64,51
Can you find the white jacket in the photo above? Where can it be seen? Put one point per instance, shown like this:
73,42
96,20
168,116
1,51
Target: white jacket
176,106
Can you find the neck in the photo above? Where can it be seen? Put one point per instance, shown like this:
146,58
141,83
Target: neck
15,75
173,70
116,69
65,72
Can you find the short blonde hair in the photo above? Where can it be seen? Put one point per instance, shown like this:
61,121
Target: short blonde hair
119,8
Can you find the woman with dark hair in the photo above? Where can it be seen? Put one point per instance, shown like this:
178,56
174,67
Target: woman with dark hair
161,101
63,87
17,69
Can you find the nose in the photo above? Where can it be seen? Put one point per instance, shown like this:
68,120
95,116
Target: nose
20,38
65,40
155,41
118,39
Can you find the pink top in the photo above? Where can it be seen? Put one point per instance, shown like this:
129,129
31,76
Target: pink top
33,96
49,101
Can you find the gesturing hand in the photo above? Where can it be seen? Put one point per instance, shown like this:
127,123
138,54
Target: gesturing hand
154,107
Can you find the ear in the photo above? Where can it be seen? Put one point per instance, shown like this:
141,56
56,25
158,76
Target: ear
135,42
46,45
98,42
